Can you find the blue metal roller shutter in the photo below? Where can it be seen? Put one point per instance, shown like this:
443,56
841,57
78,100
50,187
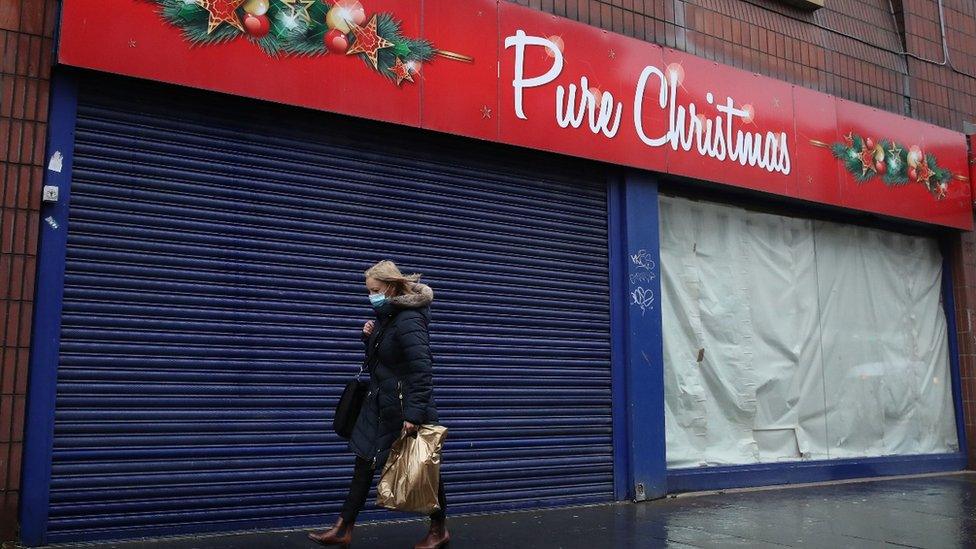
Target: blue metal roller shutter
213,299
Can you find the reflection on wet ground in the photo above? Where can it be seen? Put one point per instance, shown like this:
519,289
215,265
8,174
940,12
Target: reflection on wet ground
930,511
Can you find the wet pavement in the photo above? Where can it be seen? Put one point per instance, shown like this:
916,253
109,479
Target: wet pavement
929,511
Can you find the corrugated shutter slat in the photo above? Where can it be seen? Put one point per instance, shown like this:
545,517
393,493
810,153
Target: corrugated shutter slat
213,298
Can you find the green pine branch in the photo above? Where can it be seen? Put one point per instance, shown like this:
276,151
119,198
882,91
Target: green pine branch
269,44
840,150
851,158
294,35
896,179
896,164
311,39
285,29
942,175
405,49
194,21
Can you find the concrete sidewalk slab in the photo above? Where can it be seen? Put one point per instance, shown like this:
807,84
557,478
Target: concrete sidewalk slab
928,511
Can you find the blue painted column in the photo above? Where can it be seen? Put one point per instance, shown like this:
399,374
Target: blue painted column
638,351
46,329
949,308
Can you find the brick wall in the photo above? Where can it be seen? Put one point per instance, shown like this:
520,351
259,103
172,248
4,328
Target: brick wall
850,48
943,92
26,28
964,276
964,286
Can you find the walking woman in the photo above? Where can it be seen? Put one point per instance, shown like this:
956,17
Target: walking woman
398,353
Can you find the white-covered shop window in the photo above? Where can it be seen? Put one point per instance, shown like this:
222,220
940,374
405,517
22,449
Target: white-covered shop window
788,339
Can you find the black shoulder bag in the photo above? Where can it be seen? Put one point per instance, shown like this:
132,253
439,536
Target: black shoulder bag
353,396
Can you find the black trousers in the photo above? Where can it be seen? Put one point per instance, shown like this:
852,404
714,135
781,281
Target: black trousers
362,478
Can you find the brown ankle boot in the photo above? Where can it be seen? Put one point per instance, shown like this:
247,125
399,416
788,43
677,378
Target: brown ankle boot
339,534
437,537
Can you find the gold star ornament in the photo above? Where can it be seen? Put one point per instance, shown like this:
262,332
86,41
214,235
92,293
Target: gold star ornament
401,72
299,8
222,11
368,42
867,161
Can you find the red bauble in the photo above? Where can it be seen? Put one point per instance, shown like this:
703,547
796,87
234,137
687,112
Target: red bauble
336,41
257,26
912,173
869,142
879,167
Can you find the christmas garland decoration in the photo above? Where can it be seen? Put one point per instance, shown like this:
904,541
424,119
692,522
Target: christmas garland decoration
895,164
306,27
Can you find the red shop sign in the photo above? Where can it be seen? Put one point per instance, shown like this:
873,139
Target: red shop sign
501,72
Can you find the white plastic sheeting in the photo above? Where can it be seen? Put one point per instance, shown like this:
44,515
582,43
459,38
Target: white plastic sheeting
789,339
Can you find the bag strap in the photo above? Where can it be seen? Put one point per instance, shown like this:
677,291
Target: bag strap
371,351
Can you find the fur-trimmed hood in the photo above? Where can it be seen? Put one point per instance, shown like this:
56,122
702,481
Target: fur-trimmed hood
418,297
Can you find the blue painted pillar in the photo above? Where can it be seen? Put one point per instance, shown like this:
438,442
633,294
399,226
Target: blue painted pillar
949,257
638,351
46,330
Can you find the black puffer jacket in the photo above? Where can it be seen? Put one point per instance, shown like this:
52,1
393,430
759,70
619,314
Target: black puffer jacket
401,364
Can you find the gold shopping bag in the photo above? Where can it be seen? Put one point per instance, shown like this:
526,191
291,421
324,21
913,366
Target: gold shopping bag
412,472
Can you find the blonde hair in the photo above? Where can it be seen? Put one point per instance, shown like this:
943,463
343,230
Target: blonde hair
388,273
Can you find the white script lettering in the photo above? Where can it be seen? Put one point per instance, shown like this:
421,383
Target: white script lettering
519,82
716,137
721,136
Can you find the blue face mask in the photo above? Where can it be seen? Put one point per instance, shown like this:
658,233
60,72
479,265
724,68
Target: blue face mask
377,299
